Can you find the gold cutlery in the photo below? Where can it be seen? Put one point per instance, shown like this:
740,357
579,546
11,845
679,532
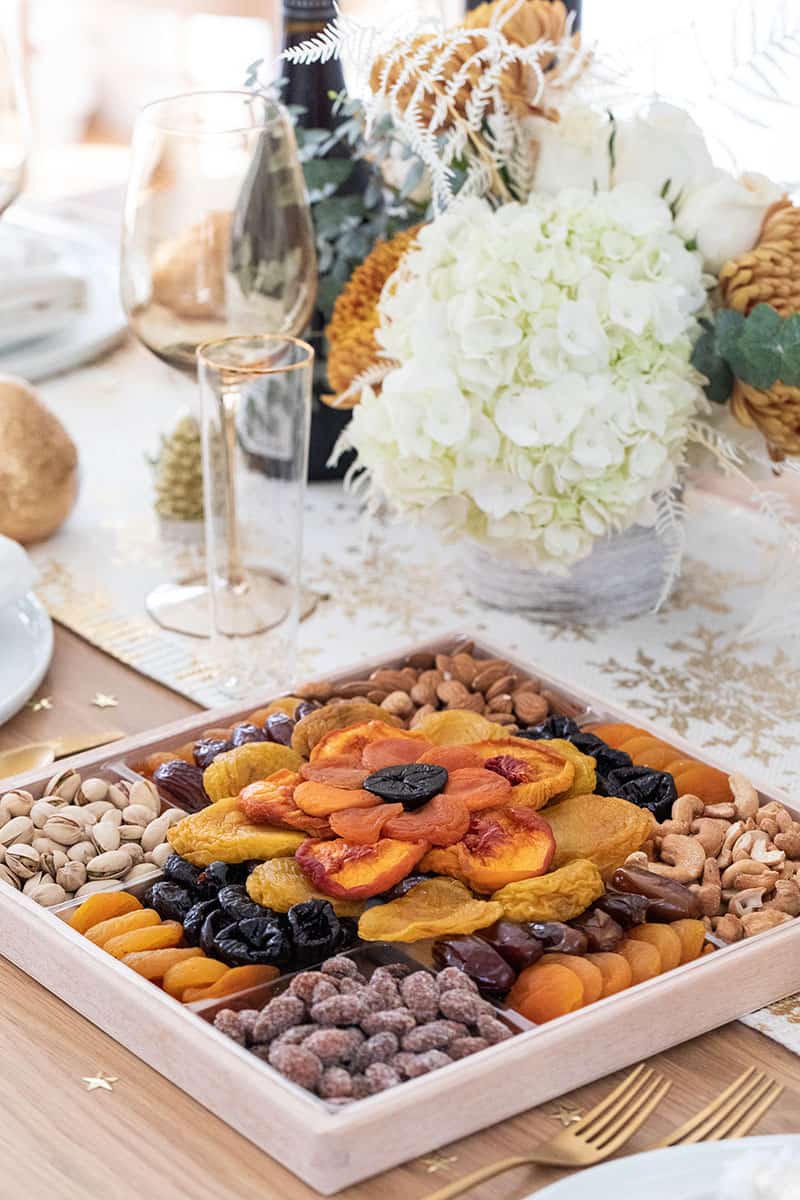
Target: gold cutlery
34,755
604,1129
732,1115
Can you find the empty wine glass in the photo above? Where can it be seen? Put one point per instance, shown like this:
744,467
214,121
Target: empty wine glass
14,122
217,241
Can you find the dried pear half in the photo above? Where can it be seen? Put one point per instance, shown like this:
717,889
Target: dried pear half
223,833
603,829
337,715
280,884
458,726
236,769
558,896
434,908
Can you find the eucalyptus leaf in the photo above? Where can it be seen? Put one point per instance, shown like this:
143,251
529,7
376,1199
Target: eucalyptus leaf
321,173
790,347
707,359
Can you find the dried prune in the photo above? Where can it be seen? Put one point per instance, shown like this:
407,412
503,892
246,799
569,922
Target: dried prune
219,875
265,933
273,949
180,871
478,960
627,910
561,938
207,749
244,733
237,904
606,757
668,900
279,727
304,708
183,783
195,919
602,932
555,726
410,784
171,901
400,889
514,943
215,924
644,787
315,930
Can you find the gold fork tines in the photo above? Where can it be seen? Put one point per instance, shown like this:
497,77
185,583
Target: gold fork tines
732,1115
594,1138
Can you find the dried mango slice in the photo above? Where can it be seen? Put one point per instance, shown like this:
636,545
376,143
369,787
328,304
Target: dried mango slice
235,769
393,752
152,964
501,846
557,896
535,772
322,799
603,829
431,909
101,907
309,732
364,826
478,788
442,821
156,937
358,872
194,972
235,979
271,802
222,832
458,726
280,884
585,778
114,926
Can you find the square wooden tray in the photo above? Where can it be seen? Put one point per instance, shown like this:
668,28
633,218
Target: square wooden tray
331,1149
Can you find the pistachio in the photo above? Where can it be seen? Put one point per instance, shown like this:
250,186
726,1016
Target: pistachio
131,833
65,785
145,793
106,836
8,877
111,865
18,829
48,893
174,814
96,885
135,853
18,803
22,859
30,885
137,814
143,870
71,876
82,851
41,811
65,830
113,817
53,860
160,855
83,815
43,844
93,790
100,808
155,833
118,794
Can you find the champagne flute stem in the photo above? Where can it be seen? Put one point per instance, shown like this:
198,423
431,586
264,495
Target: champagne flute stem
230,407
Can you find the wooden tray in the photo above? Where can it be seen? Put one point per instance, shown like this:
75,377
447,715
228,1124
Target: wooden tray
333,1148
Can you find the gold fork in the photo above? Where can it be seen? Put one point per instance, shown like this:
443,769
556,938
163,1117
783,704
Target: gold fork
606,1127
732,1115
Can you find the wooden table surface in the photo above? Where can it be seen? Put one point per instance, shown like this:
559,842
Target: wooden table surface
147,1140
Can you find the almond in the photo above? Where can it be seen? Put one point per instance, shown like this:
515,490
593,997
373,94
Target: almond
422,661
452,693
319,690
355,688
464,668
465,647
473,702
505,684
501,703
529,685
530,708
560,704
424,693
432,677
388,680
444,664
487,675
507,719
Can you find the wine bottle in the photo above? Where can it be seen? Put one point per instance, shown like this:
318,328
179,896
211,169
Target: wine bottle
311,89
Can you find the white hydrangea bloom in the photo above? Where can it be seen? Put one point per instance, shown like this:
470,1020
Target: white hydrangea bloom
544,392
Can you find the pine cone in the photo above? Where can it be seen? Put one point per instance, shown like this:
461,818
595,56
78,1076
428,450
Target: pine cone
179,473
769,274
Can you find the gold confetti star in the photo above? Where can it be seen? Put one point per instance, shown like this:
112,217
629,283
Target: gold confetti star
564,1112
103,701
100,1080
439,1162
43,704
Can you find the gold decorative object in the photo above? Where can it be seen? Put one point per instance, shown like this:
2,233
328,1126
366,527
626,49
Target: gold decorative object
44,704
189,271
103,701
768,274
38,465
439,1162
100,1081
179,473
351,333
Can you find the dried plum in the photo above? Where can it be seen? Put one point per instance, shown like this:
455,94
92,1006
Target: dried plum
514,943
207,749
236,952
237,904
606,758
600,929
478,960
216,923
559,937
279,727
195,919
264,933
170,900
555,726
183,783
410,784
627,911
244,733
218,875
315,930
304,708
180,871
400,889
644,787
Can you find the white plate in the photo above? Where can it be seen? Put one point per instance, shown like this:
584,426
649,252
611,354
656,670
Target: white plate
683,1173
26,647
97,327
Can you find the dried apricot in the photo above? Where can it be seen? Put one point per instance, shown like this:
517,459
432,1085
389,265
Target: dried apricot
139,919
152,964
589,974
150,765
656,755
585,776
557,896
364,826
452,758
235,979
614,733
222,832
358,872
664,938
615,969
643,959
316,728
322,799
235,769
442,821
101,907
280,884
478,788
393,752
706,782
340,772
458,726
604,829
271,802
692,935
640,741
157,937
501,846
546,991
286,704
433,908
194,972
537,773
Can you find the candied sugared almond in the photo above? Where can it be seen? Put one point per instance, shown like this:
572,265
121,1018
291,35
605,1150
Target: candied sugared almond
350,872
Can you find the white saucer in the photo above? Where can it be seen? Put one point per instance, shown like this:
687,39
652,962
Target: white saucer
682,1173
26,647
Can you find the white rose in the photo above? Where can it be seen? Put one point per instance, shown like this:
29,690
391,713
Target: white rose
725,215
572,152
662,148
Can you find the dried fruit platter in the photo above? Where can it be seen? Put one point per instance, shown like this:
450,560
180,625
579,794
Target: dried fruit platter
401,905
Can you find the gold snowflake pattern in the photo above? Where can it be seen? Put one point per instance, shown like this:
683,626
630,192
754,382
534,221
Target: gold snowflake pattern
438,1162
789,1009
565,1113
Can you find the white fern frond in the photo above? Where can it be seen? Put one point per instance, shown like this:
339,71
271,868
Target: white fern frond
329,43
671,529
368,378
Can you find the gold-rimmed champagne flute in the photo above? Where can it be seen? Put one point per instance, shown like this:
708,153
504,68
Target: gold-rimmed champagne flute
217,241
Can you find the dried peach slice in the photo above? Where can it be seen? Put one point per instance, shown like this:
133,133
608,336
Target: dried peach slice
350,741
235,979
393,752
235,769
535,772
433,908
615,969
312,735
546,991
442,821
195,972
101,907
364,826
585,778
643,959
502,845
322,799
271,802
458,726
341,772
589,974
452,758
280,884
603,829
114,926
358,872
478,788
156,937
152,964
666,941
692,935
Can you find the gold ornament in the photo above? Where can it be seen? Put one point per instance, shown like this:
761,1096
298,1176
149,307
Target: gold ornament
768,274
189,271
38,465
179,473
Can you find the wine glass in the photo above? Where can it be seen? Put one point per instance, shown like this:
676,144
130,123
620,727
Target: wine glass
217,241
14,122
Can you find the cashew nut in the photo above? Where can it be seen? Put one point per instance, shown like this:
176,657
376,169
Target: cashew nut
760,922
638,859
789,842
686,808
729,928
725,856
745,796
684,859
725,812
769,855
710,833
666,827
747,901
743,866
748,844
787,897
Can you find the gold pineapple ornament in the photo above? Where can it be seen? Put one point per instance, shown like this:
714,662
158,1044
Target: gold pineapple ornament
179,473
768,274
